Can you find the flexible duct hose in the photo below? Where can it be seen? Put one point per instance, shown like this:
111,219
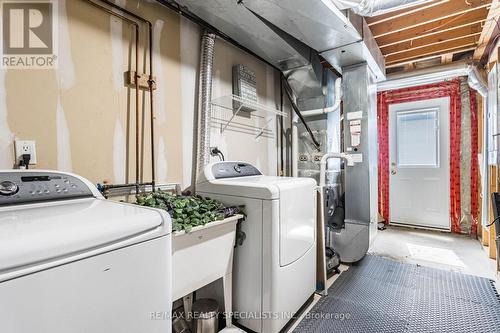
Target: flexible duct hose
376,7
204,99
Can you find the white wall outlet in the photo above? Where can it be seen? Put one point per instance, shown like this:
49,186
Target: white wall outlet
25,147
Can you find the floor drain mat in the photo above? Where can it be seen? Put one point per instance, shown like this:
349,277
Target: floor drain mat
383,295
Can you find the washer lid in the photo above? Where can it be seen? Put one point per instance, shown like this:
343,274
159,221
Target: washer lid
32,234
259,187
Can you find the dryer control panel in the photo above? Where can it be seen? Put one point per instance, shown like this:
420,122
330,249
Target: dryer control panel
30,187
234,169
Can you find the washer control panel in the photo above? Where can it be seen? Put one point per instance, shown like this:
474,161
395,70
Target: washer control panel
31,187
234,169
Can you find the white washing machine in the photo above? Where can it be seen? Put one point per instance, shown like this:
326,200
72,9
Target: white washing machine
274,270
71,261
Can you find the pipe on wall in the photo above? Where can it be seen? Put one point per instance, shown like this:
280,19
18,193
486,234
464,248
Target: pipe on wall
436,74
334,107
204,99
324,161
295,146
151,81
137,94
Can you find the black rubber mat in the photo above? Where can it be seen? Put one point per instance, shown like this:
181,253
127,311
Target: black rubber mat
382,295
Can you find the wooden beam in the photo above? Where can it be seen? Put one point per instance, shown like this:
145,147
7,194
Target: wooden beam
471,18
480,151
485,236
463,30
433,40
410,66
492,234
447,58
402,12
436,49
449,10
401,62
488,33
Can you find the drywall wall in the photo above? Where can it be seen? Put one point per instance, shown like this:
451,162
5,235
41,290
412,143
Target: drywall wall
82,115
236,142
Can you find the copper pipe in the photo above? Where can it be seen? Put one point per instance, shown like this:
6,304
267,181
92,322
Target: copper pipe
124,18
150,80
151,99
137,112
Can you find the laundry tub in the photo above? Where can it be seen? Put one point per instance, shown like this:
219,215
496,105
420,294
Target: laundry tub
202,256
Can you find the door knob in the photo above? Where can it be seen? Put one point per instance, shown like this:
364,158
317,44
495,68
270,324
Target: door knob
393,168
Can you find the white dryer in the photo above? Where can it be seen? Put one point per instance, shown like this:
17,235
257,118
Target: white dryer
275,268
71,261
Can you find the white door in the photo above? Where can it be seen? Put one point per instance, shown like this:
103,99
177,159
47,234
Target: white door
419,157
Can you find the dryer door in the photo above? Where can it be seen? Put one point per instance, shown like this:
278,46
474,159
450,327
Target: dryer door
297,219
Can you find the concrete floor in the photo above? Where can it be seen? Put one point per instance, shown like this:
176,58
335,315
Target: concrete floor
427,248
435,249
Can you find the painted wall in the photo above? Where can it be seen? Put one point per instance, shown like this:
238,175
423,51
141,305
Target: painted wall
239,140
83,117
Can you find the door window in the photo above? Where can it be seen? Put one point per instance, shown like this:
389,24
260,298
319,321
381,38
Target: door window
417,138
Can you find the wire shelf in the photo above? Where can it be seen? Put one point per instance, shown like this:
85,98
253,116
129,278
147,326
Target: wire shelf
255,117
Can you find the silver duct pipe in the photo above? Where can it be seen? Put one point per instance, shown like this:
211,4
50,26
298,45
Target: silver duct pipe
376,7
436,74
204,99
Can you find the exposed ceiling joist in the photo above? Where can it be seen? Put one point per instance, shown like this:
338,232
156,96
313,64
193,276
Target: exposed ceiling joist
490,31
439,35
438,31
455,35
403,12
429,29
401,59
423,58
447,58
447,11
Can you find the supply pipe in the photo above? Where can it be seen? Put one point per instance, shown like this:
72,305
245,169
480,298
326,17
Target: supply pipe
334,107
324,161
151,81
137,95
295,146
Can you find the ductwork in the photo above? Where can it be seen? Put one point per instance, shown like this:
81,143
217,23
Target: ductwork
376,7
341,37
436,74
293,35
204,99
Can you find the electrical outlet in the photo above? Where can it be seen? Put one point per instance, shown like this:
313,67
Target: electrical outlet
25,147
213,151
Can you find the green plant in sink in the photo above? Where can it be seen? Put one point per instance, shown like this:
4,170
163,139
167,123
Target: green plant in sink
187,211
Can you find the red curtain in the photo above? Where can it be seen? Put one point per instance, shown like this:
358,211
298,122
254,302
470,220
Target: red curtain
444,89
